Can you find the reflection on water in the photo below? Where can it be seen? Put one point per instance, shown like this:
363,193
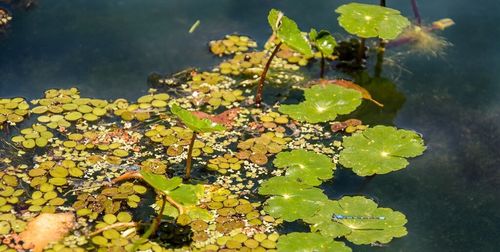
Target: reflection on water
450,194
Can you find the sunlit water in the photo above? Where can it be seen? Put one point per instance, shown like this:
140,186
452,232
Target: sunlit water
449,195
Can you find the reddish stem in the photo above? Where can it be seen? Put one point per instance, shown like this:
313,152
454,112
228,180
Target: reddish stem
187,176
260,88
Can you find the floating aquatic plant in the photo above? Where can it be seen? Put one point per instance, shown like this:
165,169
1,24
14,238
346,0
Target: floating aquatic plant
309,242
289,34
305,166
197,125
380,150
325,43
323,103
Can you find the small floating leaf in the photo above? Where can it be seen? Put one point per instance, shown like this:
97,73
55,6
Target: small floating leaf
369,20
323,41
380,150
310,242
323,103
160,182
309,167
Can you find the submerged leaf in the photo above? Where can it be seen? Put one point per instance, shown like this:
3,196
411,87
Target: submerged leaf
47,228
309,167
369,20
289,33
195,123
323,103
351,85
380,150
310,242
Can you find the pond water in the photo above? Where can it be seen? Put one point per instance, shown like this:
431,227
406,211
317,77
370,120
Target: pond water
449,195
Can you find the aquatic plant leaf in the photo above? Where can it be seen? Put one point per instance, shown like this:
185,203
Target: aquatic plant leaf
288,32
160,182
323,103
322,221
380,150
225,118
323,40
367,222
291,200
306,166
195,123
187,194
370,21
351,85
310,242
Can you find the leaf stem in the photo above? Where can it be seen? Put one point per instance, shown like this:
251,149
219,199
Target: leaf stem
187,176
380,57
416,12
361,51
322,71
157,220
260,87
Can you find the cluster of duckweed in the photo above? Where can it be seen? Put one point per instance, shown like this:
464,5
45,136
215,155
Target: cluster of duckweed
9,192
176,140
204,80
35,136
13,111
348,126
257,149
246,63
231,44
60,107
141,110
4,17
224,163
226,98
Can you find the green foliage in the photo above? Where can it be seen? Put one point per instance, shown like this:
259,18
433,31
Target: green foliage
380,150
323,41
193,122
291,200
364,221
305,166
288,32
370,21
323,103
160,182
310,242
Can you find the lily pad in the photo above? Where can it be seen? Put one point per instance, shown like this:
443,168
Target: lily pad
310,242
323,41
323,103
322,221
193,122
292,200
306,166
367,222
380,150
288,32
370,21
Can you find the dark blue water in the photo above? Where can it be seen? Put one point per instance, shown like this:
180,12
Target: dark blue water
450,195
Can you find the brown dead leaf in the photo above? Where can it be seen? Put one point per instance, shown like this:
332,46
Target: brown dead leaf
225,118
47,228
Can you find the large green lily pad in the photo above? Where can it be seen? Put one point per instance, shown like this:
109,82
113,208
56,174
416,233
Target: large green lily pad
323,103
366,221
195,123
306,166
323,41
310,242
369,20
291,200
380,150
288,32
322,221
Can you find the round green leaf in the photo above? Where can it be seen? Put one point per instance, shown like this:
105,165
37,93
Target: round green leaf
323,103
306,166
193,122
323,41
369,20
160,182
380,150
288,32
310,242
367,222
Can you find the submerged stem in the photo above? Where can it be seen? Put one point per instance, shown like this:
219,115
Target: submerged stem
361,51
260,87
382,3
380,57
322,71
416,12
158,218
187,176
